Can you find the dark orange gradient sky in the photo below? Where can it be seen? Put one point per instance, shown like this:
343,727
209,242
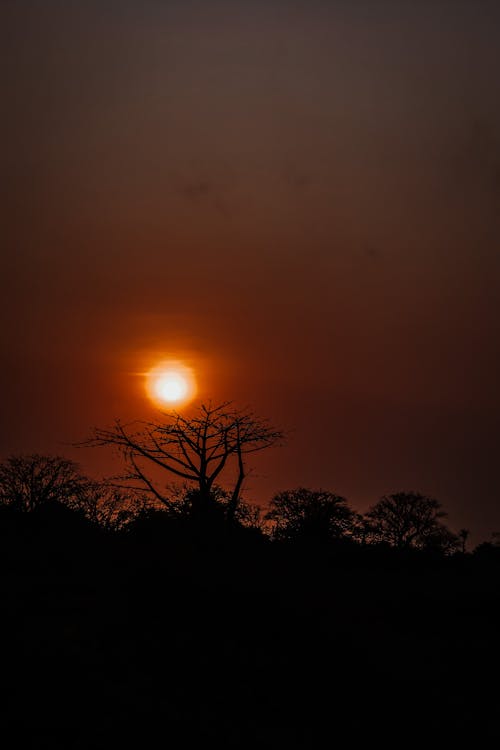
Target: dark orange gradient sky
301,200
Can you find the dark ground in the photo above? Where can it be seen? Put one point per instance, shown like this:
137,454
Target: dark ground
168,638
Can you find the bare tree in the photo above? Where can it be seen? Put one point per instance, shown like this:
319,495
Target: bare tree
198,450
409,519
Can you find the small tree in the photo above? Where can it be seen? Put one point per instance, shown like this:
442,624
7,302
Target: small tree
310,515
409,519
199,450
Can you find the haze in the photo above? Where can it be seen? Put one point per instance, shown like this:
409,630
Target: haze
299,200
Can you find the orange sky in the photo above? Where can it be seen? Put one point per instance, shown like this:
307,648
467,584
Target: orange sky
299,201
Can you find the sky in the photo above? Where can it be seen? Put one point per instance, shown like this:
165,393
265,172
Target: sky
299,200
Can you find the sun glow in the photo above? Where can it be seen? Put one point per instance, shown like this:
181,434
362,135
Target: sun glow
171,383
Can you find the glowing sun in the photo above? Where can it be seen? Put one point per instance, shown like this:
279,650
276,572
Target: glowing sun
171,383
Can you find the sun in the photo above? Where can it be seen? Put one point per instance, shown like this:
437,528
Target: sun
171,384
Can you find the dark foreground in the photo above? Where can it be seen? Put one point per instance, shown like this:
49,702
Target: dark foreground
174,638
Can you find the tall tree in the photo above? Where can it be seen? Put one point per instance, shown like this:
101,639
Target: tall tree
199,449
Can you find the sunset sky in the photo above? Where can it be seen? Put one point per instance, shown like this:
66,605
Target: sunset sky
299,200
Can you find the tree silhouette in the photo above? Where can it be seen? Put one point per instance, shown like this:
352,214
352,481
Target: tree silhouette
197,450
410,519
310,515
30,481
108,507
463,535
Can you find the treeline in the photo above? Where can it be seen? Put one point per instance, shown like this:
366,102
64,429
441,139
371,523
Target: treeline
53,488
193,621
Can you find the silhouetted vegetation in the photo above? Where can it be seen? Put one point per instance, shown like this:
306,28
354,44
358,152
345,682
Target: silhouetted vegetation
130,618
410,520
28,482
311,516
